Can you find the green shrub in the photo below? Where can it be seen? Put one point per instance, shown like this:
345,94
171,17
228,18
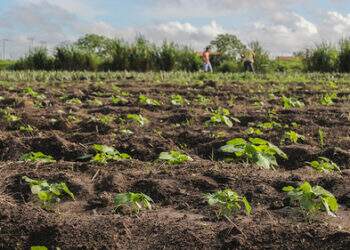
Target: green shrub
344,55
37,59
322,58
230,66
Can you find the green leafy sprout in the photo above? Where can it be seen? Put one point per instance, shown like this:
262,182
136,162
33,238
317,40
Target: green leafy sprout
227,202
38,157
144,100
105,154
255,150
29,91
328,99
324,164
291,102
312,199
292,136
222,116
48,194
174,157
116,100
178,100
138,119
135,201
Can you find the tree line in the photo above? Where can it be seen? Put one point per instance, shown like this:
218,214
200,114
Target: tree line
99,53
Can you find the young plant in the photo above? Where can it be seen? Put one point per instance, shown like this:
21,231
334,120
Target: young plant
255,150
144,100
106,119
138,119
227,202
321,136
324,165
38,157
95,102
48,194
291,102
313,199
29,91
174,157
8,117
135,201
116,100
74,101
105,154
178,100
202,100
253,131
292,136
26,128
222,116
328,99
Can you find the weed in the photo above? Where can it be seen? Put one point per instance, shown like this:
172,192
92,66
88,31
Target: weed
321,136
328,99
178,100
29,91
26,128
202,100
116,100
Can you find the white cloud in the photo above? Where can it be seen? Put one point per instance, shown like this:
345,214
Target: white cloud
280,30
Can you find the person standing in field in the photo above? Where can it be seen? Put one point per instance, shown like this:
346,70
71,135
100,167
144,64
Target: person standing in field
206,60
248,58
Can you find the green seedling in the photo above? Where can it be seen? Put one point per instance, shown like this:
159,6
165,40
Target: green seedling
95,102
138,119
202,100
48,194
178,100
253,131
174,157
144,100
38,248
74,101
222,116
227,202
105,154
255,150
292,136
126,132
321,137
313,199
26,129
324,165
8,117
328,99
116,100
135,201
29,91
269,125
38,157
291,102
106,119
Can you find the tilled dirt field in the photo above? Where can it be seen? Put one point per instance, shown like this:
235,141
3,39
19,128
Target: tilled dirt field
181,217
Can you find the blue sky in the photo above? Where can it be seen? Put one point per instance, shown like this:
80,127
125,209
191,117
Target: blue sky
282,26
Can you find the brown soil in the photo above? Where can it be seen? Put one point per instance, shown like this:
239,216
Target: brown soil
180,218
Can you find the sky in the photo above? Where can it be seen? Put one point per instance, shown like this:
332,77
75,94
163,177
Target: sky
282,26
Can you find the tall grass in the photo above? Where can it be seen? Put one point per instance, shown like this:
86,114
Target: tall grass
344,55
322,58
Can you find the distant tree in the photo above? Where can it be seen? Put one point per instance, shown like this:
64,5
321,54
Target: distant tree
228,44
94,44
262,58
